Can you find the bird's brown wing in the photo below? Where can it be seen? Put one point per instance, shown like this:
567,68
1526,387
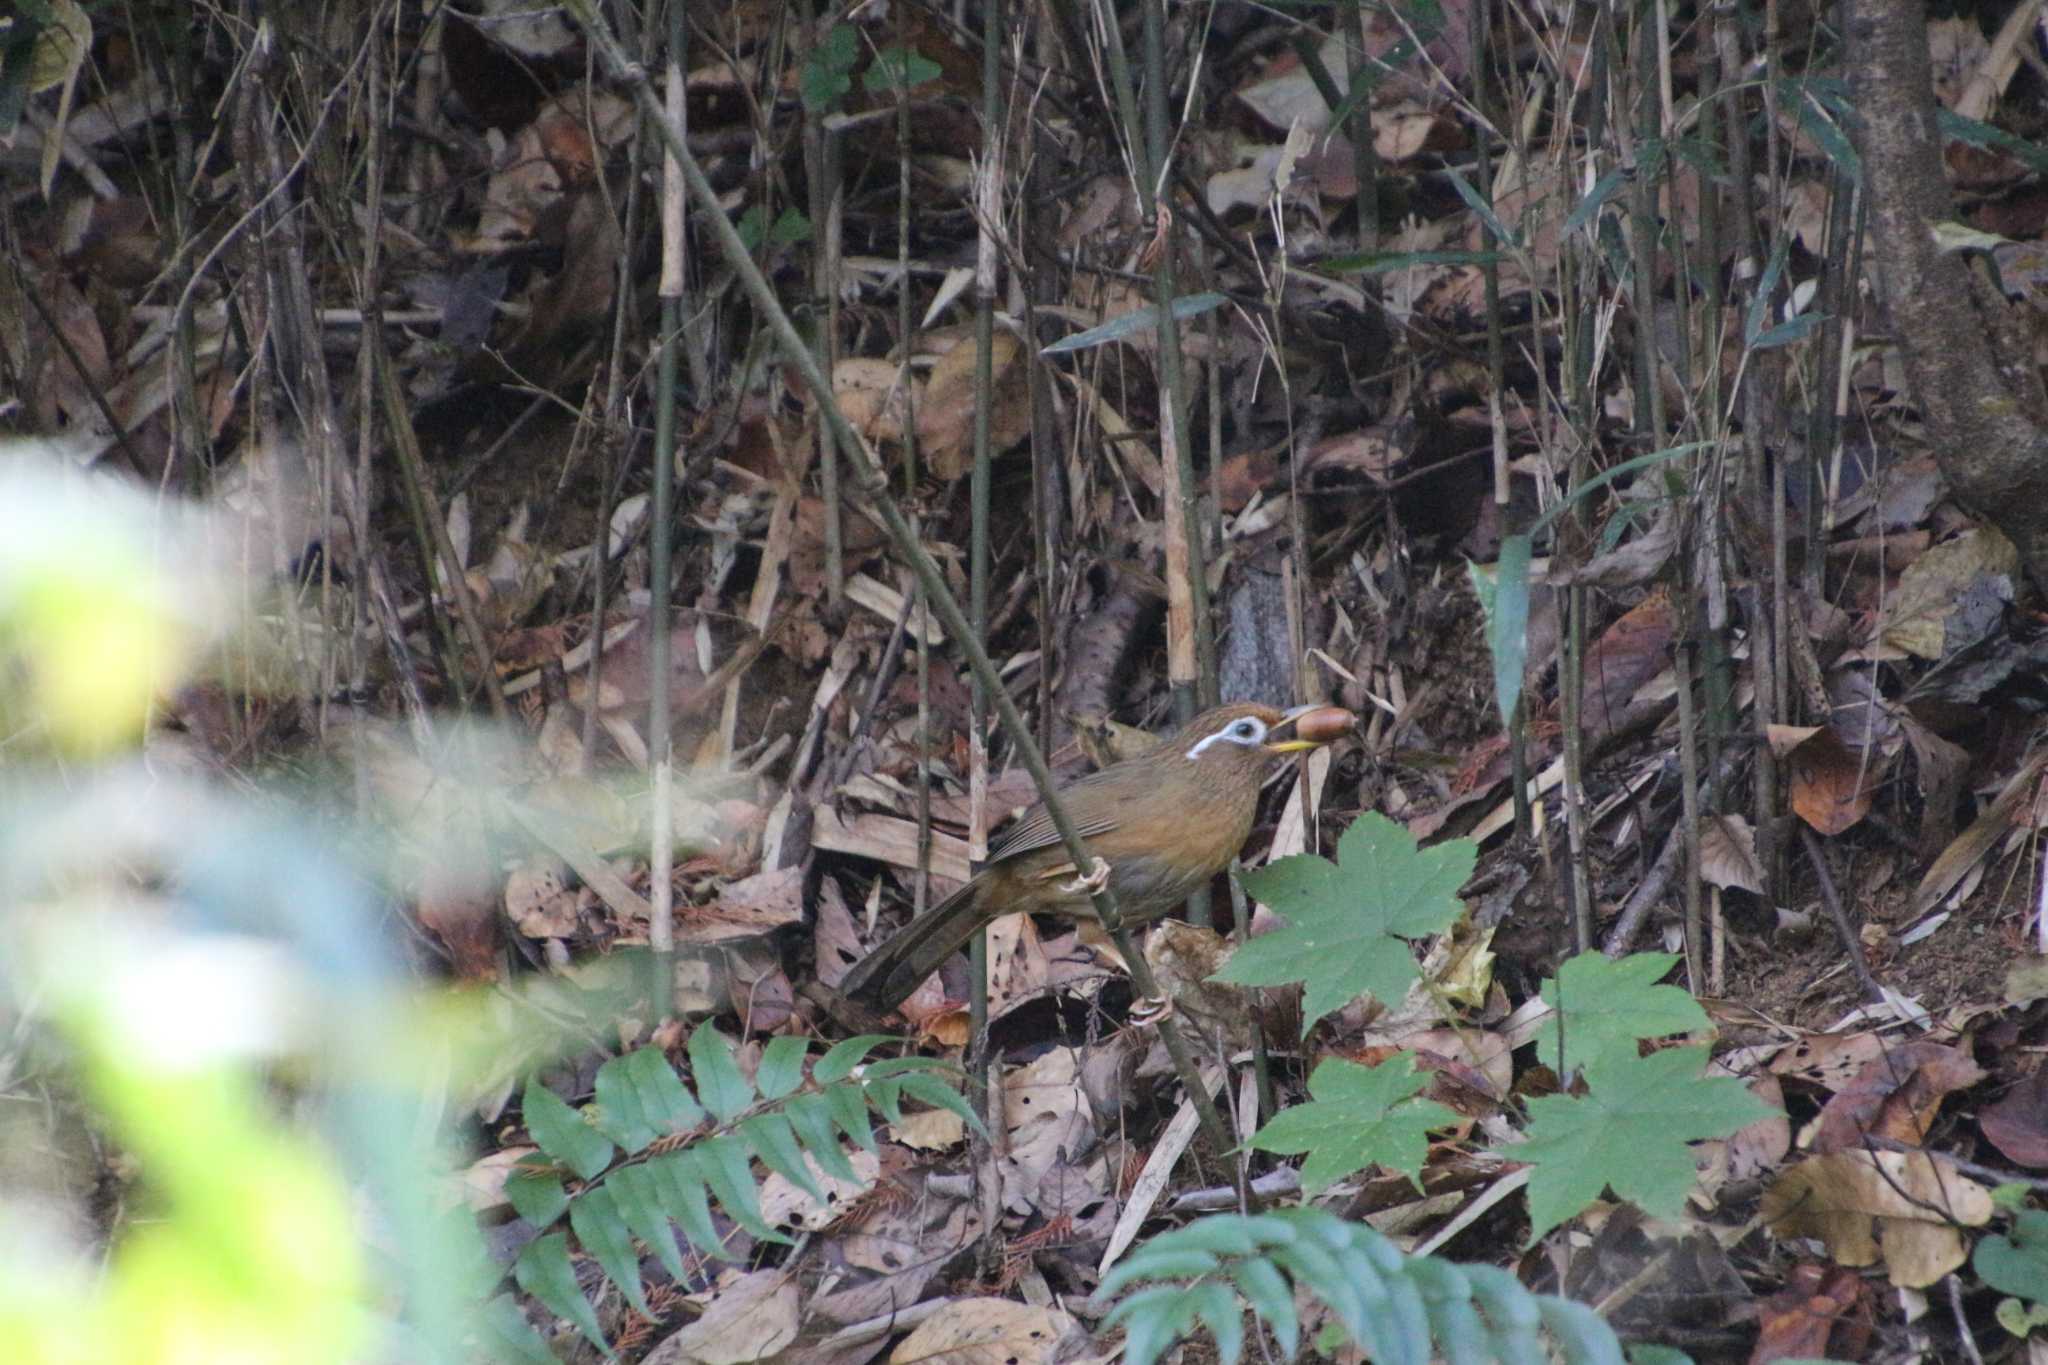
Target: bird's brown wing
1034,828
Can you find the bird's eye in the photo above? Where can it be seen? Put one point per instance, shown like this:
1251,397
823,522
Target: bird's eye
1246,729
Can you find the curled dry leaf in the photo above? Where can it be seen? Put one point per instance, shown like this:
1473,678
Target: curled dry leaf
1728,853
1906,1208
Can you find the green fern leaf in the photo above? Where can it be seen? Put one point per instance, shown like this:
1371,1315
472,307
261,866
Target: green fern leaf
720,1086
537,1197
640,1099
639,1196
774,1141
679,1183
544,1271
811,1116
602,1231
726,1170
850,1111
782,1067
562,1132
841,1058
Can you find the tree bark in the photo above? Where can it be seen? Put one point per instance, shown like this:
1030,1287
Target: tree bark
1973,378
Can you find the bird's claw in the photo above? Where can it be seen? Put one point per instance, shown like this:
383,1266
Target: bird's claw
1095,881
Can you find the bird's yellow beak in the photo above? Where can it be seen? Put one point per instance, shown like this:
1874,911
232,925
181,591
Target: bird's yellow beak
1314,725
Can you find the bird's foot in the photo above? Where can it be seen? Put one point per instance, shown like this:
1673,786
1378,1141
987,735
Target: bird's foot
1096,880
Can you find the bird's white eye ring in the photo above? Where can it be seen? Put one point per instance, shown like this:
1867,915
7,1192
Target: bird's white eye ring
1243,730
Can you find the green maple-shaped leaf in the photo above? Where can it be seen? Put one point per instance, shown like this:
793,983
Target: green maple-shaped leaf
1346,920
1606,1005
1629,1131
1357,1116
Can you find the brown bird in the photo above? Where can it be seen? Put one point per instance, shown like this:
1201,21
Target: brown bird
1164,822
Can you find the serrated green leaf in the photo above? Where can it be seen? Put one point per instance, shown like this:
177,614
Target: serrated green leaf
561,1132
601,1228
782,1067
1629,1131
731,1178
841,1058
1607,1004
679,1184
544,1271
720,1086
640,1099
537,1197
639,1196
826,76
899,68
1357,1117
1346,921
774,1141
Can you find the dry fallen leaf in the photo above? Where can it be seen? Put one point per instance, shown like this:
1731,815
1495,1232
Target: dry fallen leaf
986,1332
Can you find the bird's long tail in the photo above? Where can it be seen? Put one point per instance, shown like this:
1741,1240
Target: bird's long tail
885,977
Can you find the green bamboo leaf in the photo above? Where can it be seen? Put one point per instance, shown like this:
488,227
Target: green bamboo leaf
721,1087
1483,209
1143,319
562,1133
544,1271
782,1067
602,1230
1504,594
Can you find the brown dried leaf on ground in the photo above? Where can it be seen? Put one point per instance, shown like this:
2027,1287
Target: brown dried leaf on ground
750,1316
1904,1208
989,1332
